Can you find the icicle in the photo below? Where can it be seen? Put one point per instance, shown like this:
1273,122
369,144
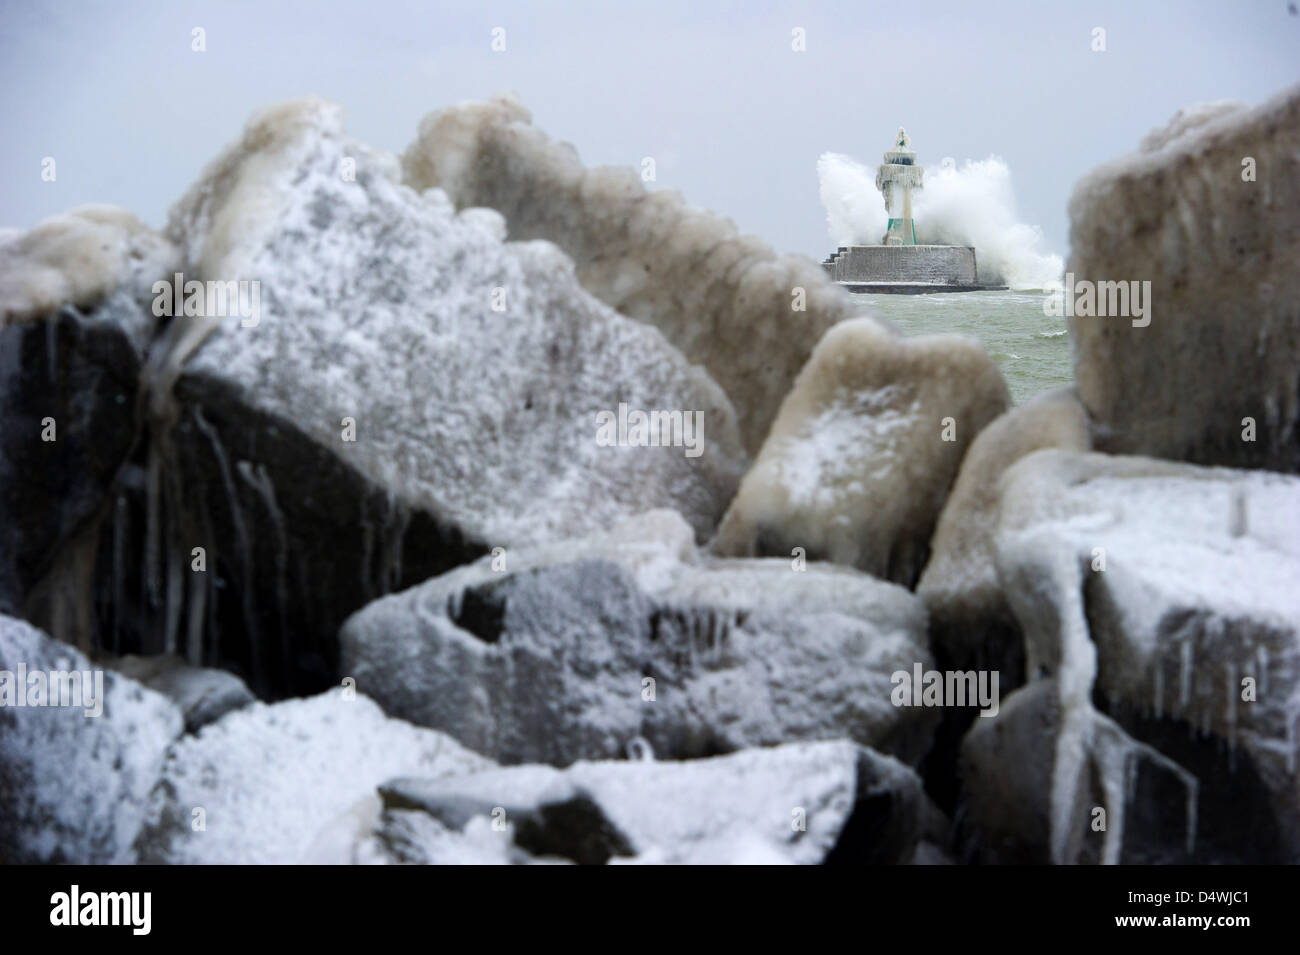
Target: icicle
153,525
1230,715
166,357
258,479
175,586
1114,782
52,351
120,518
1185,675
367,547
1115,756
394,539
209,637
1291,715
196,608
1193,790
241,536
69,588
1160,689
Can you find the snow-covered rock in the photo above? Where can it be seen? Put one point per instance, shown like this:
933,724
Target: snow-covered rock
751,317
79,259
1168,591
412,392
74,777
866,445
377,304
259,785
969,617
576,650
1209,214
204,695
801,803
1186,120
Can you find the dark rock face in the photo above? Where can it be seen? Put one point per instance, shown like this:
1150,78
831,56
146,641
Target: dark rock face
82,371
295,540
101,522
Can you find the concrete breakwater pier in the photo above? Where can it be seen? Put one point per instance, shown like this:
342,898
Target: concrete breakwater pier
905,269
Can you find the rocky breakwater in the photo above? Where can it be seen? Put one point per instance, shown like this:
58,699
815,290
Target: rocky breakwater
371,524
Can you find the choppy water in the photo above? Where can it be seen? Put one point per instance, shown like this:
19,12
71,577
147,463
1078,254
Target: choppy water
1032,349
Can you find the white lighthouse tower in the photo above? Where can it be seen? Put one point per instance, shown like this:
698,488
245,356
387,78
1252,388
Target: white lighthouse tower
897,176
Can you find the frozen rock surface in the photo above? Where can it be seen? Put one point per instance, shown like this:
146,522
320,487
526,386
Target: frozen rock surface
797,803
862,454
269,778
377,303
79,259
1218,238
73,787
74,330
411,392
1167,591
751,317
1186,120
203,695
971,623
550,659
969,615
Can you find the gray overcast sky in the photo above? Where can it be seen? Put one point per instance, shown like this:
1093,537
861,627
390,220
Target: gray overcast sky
734,118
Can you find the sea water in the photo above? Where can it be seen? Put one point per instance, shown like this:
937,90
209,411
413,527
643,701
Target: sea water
1032,350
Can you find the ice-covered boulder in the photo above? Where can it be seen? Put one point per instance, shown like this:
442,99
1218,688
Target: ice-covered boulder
204,695
80,750
411,392
576,650
258,785
79,259
1167,592
1186,120
866,445
1006,780
74,331
1136,807
1209,214
749,316
797,803
970,622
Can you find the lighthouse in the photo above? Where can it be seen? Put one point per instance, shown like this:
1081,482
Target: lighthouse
898,266
896,177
